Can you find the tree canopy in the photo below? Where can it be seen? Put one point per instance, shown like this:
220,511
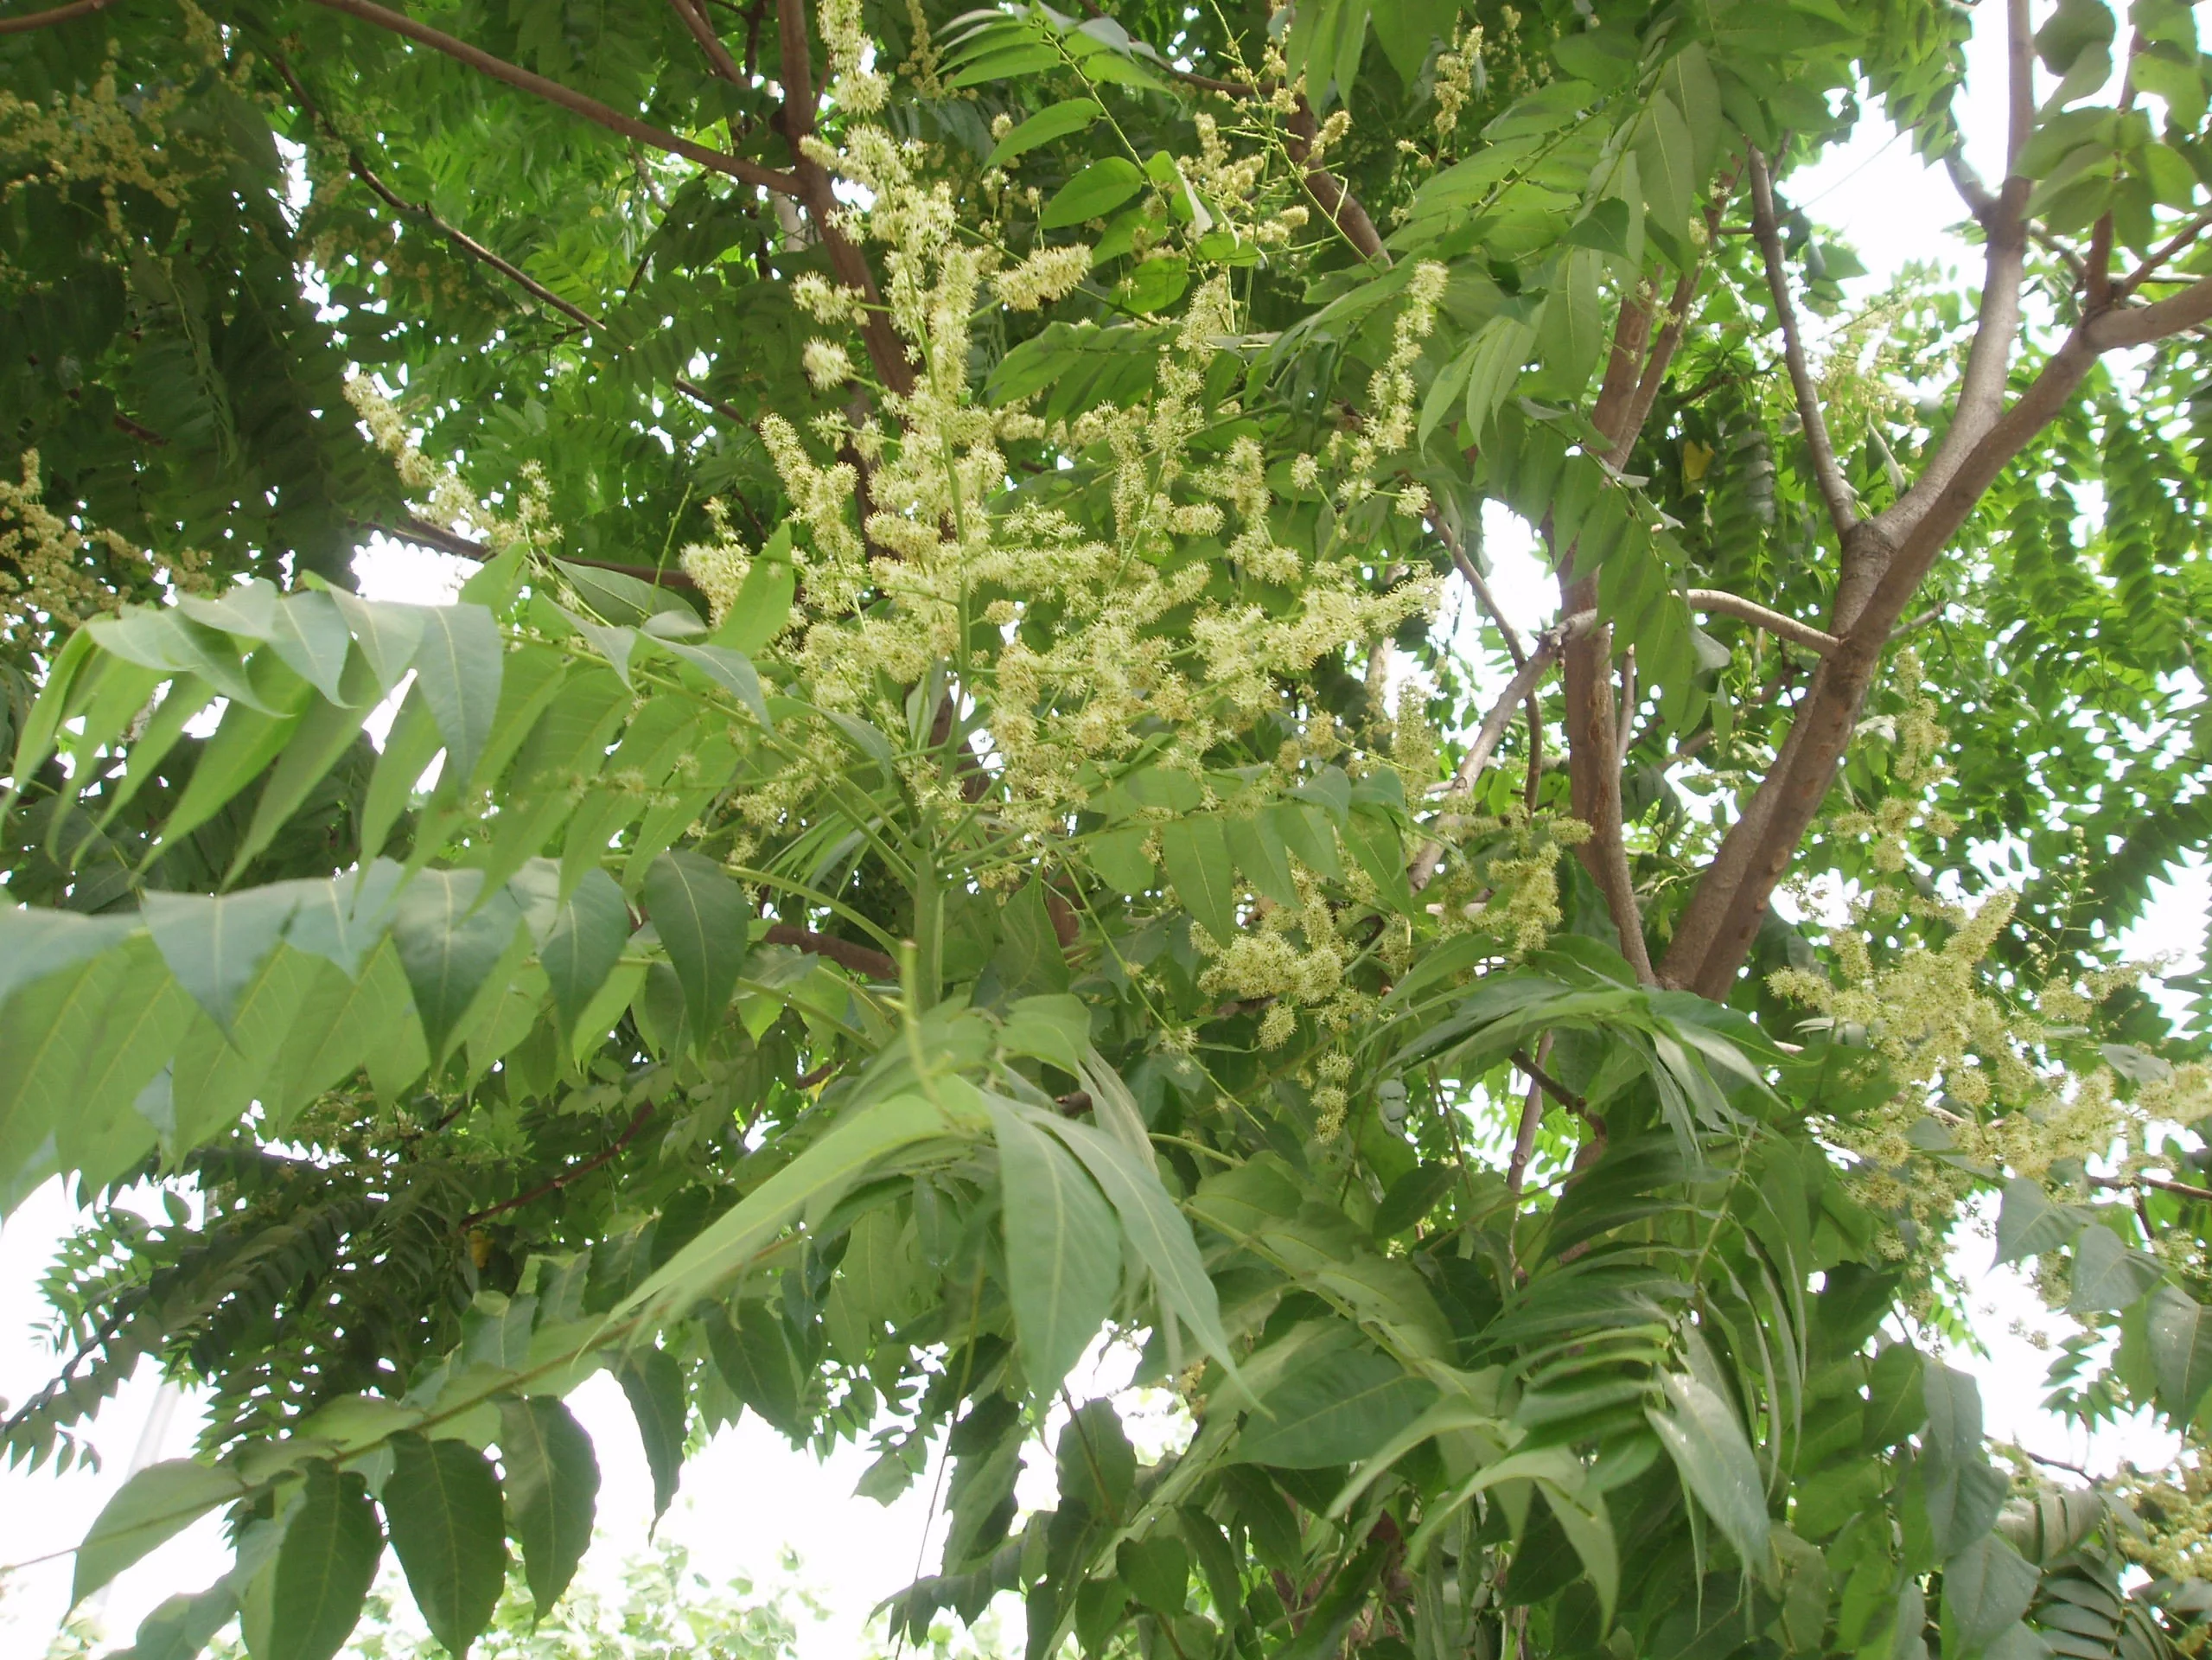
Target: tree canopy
952,819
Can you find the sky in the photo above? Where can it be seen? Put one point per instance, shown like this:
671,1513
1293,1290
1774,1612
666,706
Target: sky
749,1498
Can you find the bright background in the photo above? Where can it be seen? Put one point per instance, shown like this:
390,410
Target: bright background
749,1499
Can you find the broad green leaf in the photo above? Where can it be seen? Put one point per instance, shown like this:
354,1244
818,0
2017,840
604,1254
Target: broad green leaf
2029,1225
1155,1230
1054,121
2106,1274
1094,193
1701,1434
762,610
1063,1250
653,1381
323,735
35,943
622,600
703,917
250,737
589,928
216,946
755,1352
1666,161
1336,1409
730,670
388,634
1986,1587
1581,1517
458,666
1500,346
449,944
442,1506
157,1503
1195,851
1119,858
308,631
325,1566
1256,844
2181,1350
344,919
180,1627
727,1246
552,1490
409,747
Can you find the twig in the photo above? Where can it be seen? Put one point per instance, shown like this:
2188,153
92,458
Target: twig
2160,1183
426,534
1550,1085
576,102
1759,616
1493,728
1531,1117
574,1173
69,13
1843,509
2161,255
358,165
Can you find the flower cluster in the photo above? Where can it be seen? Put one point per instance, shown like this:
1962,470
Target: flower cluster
57,572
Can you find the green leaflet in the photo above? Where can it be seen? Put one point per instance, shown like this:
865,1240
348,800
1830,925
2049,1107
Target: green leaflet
449,944
1336,1409
729,1244
458,665
2107,1274
703,917
442,1504
1195,851
325,1566
653,1381
754,1351
579,951
2181,1350
553,1486
1063,1250
1701,1434
1096,191
216,946
154,1504
1986,1587
1054,121
1155,1230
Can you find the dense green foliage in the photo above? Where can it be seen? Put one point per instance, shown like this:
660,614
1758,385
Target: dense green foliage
950,817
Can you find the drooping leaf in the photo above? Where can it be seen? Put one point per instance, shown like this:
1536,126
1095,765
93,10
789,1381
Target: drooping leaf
553,1489
459,665
1700,1433
653,1381
1063,1250
450,941
703,917
325,1566
442,1505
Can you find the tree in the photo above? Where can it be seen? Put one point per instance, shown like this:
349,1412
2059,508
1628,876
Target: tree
906,854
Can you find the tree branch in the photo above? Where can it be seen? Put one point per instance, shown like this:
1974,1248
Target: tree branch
1749,610
360,169
1843,508
695,21
67,14
1329,193
574,1173
1518,690
795,121
861,959
2160,1184
426,534
576,102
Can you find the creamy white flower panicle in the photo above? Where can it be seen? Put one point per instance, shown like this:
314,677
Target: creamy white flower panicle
1059,639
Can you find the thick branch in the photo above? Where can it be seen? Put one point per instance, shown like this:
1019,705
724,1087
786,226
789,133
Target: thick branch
1843,508
861,959
576,102
1329,193
1749,610
694,20
46,19
796,122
